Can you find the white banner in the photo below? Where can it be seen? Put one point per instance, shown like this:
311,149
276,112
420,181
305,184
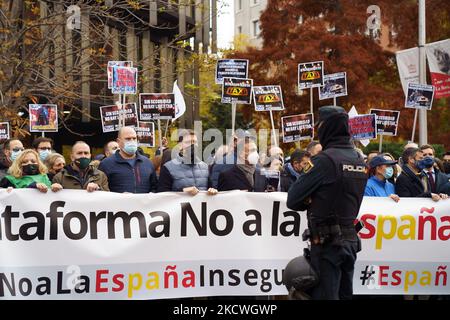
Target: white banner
408,67
438,55
75,245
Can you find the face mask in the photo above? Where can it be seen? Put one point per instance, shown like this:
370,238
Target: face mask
447,167
253,158
83,163
130,147
426,162
30,169
15,155
44,154
388,173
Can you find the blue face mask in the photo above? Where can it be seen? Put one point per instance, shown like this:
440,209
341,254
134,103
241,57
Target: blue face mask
130,147
15,155
388,173
426,162
44,154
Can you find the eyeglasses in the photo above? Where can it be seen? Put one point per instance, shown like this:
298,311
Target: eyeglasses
18,149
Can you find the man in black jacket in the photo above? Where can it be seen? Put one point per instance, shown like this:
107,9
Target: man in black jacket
241,176
332,191
413,182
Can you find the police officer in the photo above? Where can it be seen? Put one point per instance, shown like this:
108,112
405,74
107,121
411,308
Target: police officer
331,190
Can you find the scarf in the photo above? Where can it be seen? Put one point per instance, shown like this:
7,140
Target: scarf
248,171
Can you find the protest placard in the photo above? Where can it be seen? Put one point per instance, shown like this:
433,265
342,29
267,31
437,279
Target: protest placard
156,106
124,80
111,65
237,90
387,121
110,117
231,68
4,131
335,85
310,75
363,127
146,134
43,117
268,98
298,127
420,96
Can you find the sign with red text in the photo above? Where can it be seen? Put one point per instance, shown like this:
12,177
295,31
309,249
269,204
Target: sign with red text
363,127
438,56
111,65
124,80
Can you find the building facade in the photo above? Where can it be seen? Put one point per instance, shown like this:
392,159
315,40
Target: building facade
246,20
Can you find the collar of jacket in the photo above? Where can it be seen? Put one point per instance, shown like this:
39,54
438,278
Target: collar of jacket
118,157
408,171
69,170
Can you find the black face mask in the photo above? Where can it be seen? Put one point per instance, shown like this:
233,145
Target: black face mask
447,167
30,169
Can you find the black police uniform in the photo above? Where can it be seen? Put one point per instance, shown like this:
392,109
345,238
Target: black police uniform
331,192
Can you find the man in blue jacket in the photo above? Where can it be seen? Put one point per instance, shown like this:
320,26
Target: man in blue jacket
127,170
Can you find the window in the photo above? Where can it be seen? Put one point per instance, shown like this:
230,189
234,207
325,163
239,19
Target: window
255,28
239,6
239,29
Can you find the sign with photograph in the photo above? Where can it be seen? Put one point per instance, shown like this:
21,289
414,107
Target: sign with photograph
387,121
335,85
298,127
43,117
420,96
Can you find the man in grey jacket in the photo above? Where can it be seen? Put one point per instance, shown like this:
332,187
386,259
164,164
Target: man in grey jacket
186,171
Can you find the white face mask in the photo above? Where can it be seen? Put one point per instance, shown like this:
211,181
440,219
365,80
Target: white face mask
253,158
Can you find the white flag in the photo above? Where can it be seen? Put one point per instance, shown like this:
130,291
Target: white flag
180,104
408,67
438,54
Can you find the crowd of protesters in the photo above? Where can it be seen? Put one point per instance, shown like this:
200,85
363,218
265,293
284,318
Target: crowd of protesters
125,168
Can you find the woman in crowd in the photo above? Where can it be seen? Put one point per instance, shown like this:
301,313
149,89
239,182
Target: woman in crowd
378,185
55,162
27,171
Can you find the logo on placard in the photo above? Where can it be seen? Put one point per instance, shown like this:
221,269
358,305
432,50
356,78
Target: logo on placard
233,91
268,98
311,75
